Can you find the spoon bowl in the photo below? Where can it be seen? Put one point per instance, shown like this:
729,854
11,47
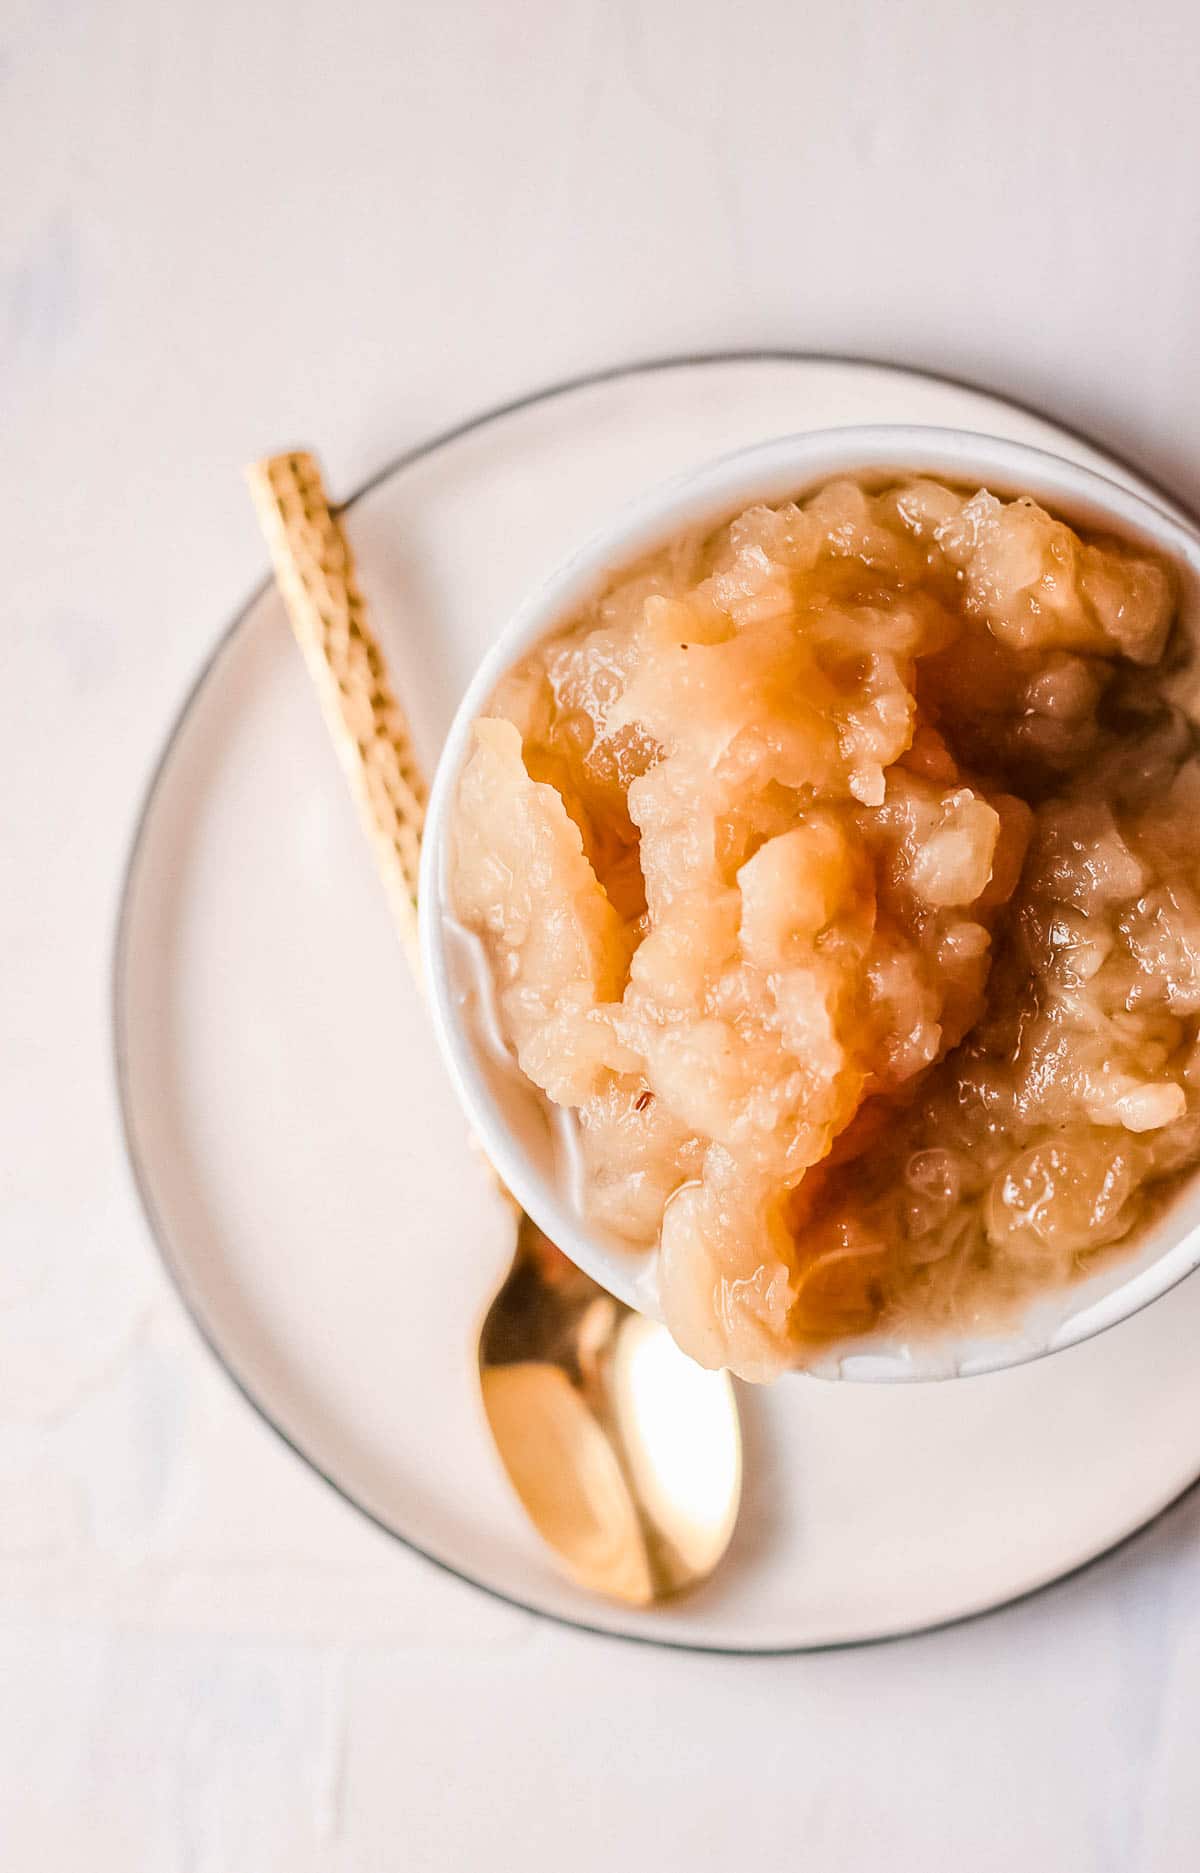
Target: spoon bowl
626,1455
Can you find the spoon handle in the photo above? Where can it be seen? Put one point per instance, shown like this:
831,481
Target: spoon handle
315,570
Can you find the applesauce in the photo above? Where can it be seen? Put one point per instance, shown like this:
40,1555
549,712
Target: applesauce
838,870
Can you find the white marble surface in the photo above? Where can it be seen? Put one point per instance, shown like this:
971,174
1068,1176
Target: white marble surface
227,225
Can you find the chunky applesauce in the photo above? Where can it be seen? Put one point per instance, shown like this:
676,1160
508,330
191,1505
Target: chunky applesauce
840,870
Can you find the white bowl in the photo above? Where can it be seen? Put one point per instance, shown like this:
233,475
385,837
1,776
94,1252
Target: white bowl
511,1120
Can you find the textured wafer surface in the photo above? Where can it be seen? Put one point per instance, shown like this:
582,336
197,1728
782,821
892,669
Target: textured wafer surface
315,569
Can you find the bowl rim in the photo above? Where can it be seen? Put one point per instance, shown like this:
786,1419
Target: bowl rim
706,495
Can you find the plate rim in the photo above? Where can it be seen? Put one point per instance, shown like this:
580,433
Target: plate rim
117,1010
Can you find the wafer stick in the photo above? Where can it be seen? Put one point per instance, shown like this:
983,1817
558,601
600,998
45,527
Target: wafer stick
315,569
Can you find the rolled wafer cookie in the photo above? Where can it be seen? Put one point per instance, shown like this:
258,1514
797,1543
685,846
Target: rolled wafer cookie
315,570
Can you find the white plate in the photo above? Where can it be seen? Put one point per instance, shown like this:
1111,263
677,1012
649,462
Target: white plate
304,1167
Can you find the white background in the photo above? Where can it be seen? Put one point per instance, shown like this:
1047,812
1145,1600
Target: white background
230,224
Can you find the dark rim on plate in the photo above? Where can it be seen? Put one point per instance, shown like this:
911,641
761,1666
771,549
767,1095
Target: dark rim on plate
158,1232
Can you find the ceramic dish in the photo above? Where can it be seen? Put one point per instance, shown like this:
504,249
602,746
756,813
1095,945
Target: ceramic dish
510,1119
302,1159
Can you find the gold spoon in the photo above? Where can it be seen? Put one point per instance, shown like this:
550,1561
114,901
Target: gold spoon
626,1455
